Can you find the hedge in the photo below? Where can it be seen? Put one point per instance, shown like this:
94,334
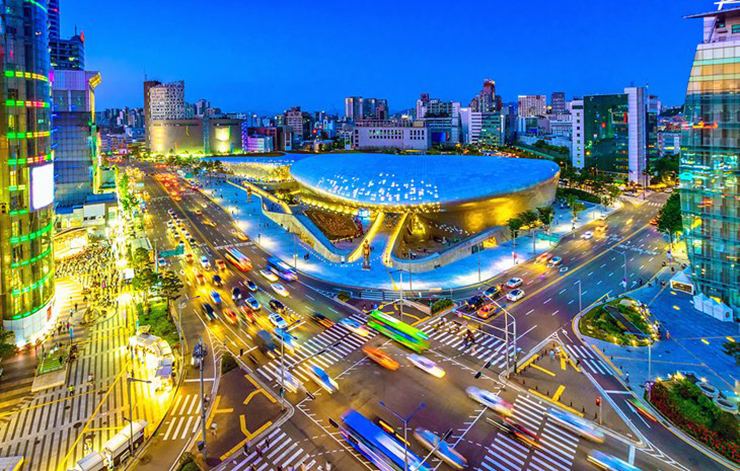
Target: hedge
580,194
441,304
160,323
683,403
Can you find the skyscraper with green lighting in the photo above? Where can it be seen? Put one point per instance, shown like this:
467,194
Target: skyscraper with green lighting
709,171
26,172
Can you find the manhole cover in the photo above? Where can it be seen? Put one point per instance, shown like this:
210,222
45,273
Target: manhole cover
77,425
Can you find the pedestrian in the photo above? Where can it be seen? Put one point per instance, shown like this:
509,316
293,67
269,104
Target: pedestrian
259,451
70,390
267,442
246,448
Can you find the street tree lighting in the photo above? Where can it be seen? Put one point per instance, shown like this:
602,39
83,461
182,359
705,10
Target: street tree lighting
130,380
405,421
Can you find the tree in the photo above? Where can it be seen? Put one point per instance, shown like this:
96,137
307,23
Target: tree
612,193
7,347
514,225
528,218
141,258
669,218
732,349
170,286
546,214
144,280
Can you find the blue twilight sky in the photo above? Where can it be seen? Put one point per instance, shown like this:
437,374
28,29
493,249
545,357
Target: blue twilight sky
265,56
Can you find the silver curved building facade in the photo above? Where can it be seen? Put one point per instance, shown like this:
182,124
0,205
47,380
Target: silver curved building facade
470,192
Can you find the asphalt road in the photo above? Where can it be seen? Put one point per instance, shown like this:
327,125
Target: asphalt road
552,300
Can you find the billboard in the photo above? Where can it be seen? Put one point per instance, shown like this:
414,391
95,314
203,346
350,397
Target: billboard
42,186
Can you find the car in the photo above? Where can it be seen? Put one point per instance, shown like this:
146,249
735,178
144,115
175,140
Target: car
490,400
276,305
487,311
215,297
241,236
555,261
205,263
189,257
280,289
425,364
170,224
181,243
191,241
284,337
187,234
251,285
577,425
654,221
268,275
198,212
587,235
162,262
354,327
600,229
443,450
321,319
209,312
521,432
247,314
475,302
217,280
493,291
200,278
253,303
380,357
170,212
514,283
236,294
610,463
208,222
221,264
515,295
265,341
543,258
278,321
322,379
230,316
290,382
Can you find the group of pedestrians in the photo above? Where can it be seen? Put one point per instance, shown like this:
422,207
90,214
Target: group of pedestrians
96,271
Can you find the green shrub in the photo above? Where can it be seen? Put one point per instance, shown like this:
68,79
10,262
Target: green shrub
228,363
441,305
580,194
343,296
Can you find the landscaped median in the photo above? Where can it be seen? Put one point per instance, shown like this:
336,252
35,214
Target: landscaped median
682,402
621,321
160,324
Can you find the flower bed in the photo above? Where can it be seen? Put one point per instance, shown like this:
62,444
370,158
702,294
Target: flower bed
599,324
683,403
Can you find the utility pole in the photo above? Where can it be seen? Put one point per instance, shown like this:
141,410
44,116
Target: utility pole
405,421
200,352
130,380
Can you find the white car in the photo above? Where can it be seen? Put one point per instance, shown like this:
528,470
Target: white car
280,289
587,235
270,276
577,425
555,261
278,321
514,283
425,364
491,400
162,262
292,384
354,326
515,295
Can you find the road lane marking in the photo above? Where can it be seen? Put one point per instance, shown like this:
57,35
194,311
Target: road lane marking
548,300
529,312
562,291
561,388
555,312
544,370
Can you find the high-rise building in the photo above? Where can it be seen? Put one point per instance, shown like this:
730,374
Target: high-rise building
486,100
53,15
557,103
162,102
66,54
353,108
609,134
299,123
357,108
532,106
74,137
709,167
26,173
148,85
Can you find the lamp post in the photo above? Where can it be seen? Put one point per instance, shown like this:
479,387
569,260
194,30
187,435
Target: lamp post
130,380
405,421
282,363
200,352
179,311
580,301
624,254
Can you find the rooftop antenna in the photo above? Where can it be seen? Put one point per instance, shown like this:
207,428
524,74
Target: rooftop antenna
722,3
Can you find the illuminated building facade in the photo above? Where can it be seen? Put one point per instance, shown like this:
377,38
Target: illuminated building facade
26,173
709,171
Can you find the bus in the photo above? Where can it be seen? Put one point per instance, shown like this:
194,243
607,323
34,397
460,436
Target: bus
241,261
399,331
281,269
376,445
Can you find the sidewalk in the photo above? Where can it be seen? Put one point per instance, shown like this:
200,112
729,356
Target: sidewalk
468,271
695,342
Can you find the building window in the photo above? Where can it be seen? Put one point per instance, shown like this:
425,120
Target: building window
735,29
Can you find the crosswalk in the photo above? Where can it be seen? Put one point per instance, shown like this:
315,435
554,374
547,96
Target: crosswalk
183,420
346,343
486,347
558,448
588,359
276,449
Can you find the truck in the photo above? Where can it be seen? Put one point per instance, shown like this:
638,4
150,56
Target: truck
116,450
95,461
265,341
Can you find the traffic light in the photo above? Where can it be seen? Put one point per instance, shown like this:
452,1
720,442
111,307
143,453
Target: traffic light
201,445
478,375
598,401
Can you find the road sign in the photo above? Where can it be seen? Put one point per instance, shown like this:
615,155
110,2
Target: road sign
170,253
548,237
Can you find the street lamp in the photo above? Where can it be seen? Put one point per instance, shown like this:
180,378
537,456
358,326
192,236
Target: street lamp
179,311
405,421
200,352
129,380
580,301
282,363
624,254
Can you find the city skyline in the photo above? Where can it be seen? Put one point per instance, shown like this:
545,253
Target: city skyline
272,72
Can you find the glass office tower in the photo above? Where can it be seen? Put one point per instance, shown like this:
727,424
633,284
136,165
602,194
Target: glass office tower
709,172
26,172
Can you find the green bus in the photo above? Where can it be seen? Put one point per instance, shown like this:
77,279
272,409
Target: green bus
399,331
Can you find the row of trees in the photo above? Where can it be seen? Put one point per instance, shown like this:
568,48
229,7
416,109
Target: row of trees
529,220
167,283
669,218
